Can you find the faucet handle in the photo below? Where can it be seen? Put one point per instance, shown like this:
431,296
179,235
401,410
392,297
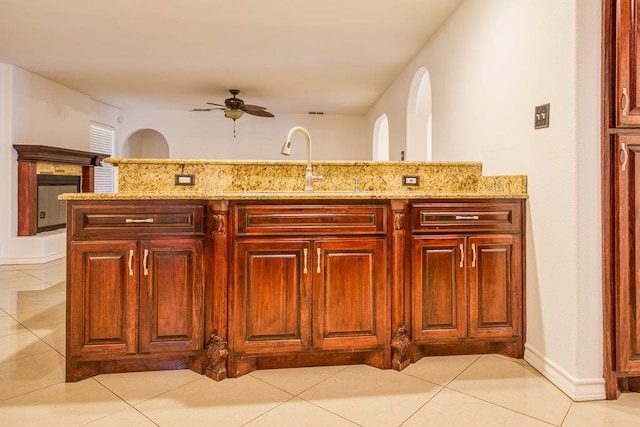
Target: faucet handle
316,178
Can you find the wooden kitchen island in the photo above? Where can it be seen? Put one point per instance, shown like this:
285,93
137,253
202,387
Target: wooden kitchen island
244,271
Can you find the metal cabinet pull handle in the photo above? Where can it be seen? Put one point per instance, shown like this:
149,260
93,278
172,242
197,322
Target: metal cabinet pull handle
137,221
318,251
473,249
623,147
305,261
625,102
462,217
461,255
130,262
145,262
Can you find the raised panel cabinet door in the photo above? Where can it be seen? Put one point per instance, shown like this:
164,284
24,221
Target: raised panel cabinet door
627,56
350,296
103,298
627,292
270,312
171,295
438,287
495,300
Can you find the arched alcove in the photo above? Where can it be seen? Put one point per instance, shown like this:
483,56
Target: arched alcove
146,144
419,117
381,138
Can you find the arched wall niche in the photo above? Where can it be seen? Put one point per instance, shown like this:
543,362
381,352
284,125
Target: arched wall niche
419,117
381,138
146,144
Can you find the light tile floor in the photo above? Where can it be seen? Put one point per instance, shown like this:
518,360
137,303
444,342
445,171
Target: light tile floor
487,390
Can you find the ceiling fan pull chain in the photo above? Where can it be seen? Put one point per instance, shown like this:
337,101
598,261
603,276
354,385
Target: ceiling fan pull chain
234,129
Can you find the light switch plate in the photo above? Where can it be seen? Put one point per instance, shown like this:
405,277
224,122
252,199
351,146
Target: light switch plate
542,116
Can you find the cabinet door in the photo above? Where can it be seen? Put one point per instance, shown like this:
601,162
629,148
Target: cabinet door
171,295
103,298
628,70
270,309
627,292
438,287
494,286
349,293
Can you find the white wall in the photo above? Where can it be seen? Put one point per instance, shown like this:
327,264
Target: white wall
209,135
37,111
490,65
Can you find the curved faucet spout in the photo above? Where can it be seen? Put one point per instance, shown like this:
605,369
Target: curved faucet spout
286,151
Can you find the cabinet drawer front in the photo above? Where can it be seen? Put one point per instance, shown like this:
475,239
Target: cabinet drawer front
467,216
310,219
133,219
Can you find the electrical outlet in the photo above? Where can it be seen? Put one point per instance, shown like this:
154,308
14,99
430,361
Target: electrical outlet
542,116
185,179
411,180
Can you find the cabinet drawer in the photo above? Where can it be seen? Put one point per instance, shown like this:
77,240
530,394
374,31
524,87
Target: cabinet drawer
467,216
114,219
310,219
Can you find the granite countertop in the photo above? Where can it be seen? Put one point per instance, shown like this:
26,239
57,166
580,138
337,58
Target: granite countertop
286,195
156,179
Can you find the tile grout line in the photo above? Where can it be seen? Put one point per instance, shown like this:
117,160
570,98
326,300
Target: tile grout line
489,402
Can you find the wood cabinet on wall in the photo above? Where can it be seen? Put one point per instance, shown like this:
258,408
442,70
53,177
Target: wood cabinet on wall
627,291
467,277
627,70
135,287
620,194
309,280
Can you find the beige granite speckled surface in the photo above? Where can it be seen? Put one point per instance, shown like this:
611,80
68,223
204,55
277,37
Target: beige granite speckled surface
155,179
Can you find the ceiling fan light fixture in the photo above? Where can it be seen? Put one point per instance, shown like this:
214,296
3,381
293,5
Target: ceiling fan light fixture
233,114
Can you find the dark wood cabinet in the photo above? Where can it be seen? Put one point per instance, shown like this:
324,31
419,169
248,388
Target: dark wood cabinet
620,194
627,71
310,286
133,303
103,299
627,291
439,288
467,289
272,295
227,287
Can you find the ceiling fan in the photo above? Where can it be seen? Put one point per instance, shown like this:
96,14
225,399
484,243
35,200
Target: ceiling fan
234,108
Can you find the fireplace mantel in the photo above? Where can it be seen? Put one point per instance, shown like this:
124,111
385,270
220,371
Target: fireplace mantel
28,158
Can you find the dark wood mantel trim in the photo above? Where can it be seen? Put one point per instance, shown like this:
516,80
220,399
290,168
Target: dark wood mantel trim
28,156
44,153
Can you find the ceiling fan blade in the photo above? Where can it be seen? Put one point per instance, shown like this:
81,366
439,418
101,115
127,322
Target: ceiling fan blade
253,107
203,109
213,103
261,113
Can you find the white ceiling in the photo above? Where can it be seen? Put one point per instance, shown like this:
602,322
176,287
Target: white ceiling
292,56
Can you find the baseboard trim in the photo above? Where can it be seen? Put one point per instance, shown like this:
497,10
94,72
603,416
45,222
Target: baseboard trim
33,260
578,389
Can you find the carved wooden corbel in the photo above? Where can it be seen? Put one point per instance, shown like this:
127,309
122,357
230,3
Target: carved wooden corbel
219,223
398,220
400,347
217,351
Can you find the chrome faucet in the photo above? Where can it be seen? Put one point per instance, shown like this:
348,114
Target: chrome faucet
286,151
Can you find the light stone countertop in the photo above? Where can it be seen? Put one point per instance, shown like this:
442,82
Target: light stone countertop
154,179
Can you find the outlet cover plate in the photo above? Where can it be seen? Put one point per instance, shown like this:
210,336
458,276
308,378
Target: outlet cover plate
185,179
411,180
542,116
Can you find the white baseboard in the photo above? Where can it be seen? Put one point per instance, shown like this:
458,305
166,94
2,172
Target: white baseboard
34,259
578,389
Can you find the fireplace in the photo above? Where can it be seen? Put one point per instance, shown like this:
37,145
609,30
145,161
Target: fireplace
56,166
52,213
